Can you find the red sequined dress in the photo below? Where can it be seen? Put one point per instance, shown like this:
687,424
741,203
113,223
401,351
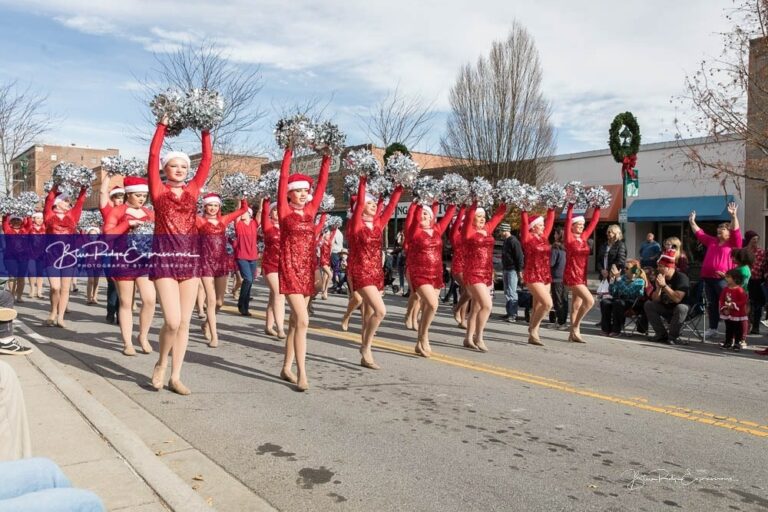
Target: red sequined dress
175,245
214,260
426,250
365,259
537,251
457,246
478,247
297,233
577,250
60,225
325,249
270,258
131,265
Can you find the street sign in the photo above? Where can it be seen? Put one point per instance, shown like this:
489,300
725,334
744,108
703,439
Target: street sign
623,216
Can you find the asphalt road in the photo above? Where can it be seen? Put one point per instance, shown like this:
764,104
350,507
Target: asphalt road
610,425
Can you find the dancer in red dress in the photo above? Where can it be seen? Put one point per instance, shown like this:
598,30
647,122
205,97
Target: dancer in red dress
478,275
60,218
177,275
575,276
16,258
354,299
121,220
215,262
297,258
325,261
426,264
36,226
537,273
413,308
270,259
457,268
365,238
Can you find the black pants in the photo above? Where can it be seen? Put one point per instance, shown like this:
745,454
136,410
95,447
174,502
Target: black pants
733,331
112,299
560,303
756,303
613,314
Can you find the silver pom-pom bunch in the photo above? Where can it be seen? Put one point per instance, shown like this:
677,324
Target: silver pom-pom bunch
229,231
333,222
402,169
89,219
351,184
598,197
362,162
171,105
238,184
427,190
552,195
576,194
294,132
380,186
455,189
202,109
72,178
22,205
528,197
267,184
141,237
119,166
328,138
327,203
508,191
481,191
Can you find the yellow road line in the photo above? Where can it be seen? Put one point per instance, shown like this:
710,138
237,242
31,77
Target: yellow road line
698,416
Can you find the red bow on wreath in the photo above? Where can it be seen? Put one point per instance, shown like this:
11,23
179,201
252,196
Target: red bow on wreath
628,167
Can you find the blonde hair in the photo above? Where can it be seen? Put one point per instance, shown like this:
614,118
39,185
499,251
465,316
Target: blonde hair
677,244
632,263
616,230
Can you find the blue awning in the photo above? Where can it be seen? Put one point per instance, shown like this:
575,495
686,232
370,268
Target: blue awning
678,208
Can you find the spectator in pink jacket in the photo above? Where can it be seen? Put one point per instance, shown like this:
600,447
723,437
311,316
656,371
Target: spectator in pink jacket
717,261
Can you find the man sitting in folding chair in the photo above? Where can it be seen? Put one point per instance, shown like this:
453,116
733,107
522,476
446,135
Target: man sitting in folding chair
625,291
668,301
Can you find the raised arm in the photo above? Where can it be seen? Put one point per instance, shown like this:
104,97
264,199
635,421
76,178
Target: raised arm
320,225
104,190
153,166
468,230
592,224
76,210
549,223
322,181
201,176
409,221
49,202
6,224
567,231
266,222
443,224
283,210
357,212
455,231
497,216
226,219
736,240
525,234
382,219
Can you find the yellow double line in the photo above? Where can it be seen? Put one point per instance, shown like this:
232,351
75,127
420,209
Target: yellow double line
695,415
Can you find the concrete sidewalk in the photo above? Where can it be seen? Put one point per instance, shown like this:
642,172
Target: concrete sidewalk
61,433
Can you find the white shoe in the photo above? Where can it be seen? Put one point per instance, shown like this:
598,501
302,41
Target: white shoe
711,333
764,322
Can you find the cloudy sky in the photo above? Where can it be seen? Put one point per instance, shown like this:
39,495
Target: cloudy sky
600,57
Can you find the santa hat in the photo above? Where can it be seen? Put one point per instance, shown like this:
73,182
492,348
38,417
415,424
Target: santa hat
62,196
578,218
480,209
299,181
371,198
117,189
535,222
428,211
37,214
175,154
211,198
135,184
667,259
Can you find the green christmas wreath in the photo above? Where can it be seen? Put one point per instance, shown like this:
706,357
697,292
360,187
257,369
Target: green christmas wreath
631,135
394,148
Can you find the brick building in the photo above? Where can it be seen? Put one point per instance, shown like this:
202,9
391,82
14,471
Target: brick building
223,164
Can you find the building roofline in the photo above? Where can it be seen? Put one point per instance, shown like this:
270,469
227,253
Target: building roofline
655,146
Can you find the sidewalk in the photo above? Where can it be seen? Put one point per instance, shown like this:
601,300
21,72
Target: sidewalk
61,433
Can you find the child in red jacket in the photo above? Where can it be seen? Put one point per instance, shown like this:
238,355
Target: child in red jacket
733,309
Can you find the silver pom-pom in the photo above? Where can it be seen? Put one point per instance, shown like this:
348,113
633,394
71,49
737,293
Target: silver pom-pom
73,177
333,222
380,186
598,197
89,218
508,191
576,194
455,189
237,184
297,131
528,197
140,237
267,184
481,191
362,162
402,169
327,203
170,104
22,205
427,190
119,166
552,195
229,231
203,109
351,184
328,138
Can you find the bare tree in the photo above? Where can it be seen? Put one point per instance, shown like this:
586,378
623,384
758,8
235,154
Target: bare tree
499,126
715,102
205,65
23,118
398,118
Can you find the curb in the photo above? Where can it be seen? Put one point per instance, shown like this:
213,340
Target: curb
171,489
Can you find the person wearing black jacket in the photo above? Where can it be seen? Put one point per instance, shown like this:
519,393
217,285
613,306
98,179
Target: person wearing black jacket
613,253
512,261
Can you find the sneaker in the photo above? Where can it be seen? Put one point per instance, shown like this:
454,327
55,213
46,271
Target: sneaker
764,322
710,333
659,339
501,317
14,349
743,344
737,347
562,327
725,346
672,341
